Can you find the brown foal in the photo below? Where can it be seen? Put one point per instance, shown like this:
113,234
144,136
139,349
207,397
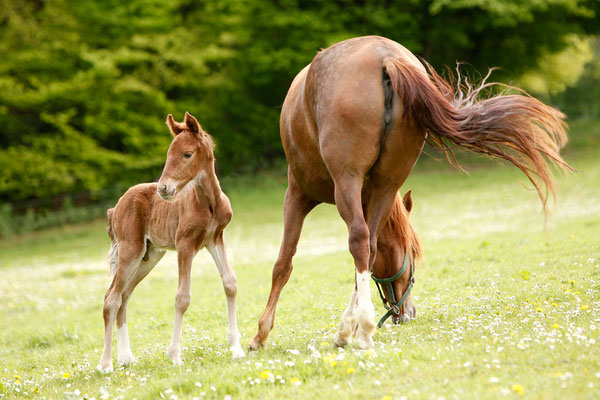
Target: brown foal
185,211
353,124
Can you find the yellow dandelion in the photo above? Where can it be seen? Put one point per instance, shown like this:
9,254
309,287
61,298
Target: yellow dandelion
324,344
266,374
539,309
66,375
583,307
518,389
555,326
295,381
471,317
386,398
351,370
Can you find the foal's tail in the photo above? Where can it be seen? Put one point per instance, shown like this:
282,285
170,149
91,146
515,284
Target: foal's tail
113,253
516,128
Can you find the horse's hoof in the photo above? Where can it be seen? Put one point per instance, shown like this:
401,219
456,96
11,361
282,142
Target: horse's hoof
341,342
256,345
364,341
402,319
238,352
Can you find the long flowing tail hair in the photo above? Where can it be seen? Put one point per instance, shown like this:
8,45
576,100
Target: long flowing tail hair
513,127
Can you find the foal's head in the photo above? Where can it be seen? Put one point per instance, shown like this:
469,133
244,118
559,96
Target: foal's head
398,238
188,158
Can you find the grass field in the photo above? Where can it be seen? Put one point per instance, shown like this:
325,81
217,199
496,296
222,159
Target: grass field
504,307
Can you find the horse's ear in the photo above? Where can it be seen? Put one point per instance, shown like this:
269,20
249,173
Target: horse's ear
407,200
192,123
174,127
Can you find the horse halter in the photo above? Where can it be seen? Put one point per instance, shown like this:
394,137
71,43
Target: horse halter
392,305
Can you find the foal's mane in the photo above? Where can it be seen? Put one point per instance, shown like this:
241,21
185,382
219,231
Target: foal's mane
400,225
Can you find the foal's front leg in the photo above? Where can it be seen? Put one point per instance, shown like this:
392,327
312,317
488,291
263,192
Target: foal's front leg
218,252
185,255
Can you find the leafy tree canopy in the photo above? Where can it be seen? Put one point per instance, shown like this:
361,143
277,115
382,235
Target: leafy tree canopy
85,85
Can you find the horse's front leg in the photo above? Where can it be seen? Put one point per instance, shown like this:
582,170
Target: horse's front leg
218,252
185,255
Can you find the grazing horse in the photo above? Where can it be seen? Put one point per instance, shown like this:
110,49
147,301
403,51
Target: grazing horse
353,124
185,211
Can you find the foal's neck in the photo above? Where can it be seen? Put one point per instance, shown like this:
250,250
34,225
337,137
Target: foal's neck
207,185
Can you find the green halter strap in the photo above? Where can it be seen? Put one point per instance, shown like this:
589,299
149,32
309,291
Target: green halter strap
392,305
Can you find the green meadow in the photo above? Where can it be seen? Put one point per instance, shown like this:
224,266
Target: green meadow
504,307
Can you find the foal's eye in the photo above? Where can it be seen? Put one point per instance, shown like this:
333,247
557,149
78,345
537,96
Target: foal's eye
187,155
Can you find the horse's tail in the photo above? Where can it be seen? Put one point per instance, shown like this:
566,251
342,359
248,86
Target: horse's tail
113,253
516,128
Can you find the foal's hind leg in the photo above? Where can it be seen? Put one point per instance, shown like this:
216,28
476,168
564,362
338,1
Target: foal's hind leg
219,254
296,206
150,259
130,255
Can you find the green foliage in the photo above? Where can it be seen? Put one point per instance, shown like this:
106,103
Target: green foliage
581,100
85,85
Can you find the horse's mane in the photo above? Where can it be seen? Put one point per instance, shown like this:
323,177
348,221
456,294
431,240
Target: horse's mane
400,225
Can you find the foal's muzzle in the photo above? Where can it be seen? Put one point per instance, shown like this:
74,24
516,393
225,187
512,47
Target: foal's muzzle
164,192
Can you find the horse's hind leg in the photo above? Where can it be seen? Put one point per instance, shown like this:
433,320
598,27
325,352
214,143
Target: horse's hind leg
219,255
130,255
348,189
151,257
296,206
347,323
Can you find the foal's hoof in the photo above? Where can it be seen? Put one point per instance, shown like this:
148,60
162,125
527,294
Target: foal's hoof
126,359
105,369
175,356
237,352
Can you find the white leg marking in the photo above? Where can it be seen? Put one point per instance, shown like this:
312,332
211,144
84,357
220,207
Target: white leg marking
347,323
365,311
219,254
124,354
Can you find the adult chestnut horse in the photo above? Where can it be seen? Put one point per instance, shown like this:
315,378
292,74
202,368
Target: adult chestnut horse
353,125
186,211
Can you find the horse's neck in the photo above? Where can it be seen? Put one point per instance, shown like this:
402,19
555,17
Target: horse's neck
207,185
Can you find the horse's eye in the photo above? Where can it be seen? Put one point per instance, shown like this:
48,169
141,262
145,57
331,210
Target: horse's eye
187,155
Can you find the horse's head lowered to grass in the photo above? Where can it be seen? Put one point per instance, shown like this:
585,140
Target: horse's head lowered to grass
189,157
398,248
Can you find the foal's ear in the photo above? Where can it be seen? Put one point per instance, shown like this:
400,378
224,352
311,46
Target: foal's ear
192,123
407,200
174,127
